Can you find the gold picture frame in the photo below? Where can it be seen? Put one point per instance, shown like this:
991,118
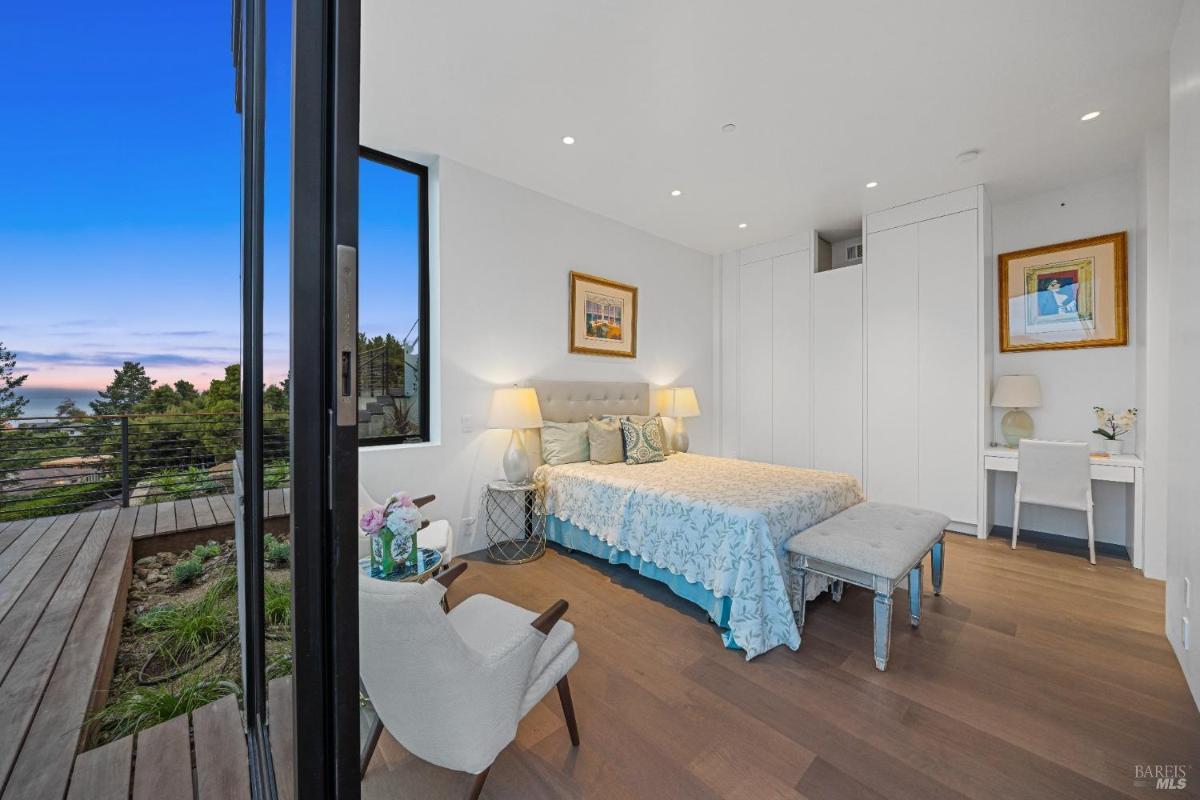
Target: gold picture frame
602,320
1065,296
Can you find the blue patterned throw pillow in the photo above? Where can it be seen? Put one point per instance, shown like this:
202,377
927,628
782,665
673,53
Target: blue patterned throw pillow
643,440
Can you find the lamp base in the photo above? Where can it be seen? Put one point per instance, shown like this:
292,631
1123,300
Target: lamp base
679,436
516,460
1016,425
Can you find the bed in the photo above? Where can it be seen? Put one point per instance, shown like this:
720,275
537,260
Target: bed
712,529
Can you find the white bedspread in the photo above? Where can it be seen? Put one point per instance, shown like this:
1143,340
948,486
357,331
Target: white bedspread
718,522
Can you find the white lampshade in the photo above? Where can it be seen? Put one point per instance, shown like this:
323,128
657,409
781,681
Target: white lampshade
1017,391
680,402
515,407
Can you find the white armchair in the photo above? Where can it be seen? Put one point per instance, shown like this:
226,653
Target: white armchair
451,687
436,534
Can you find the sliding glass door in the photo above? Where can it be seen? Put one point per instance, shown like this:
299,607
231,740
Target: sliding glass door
297,93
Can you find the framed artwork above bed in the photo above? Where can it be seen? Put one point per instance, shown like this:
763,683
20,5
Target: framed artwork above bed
602,320
1064,296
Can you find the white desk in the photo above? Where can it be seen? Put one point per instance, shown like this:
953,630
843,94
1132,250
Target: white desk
1116,469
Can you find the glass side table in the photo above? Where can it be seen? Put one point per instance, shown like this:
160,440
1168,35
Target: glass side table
427,561
514,520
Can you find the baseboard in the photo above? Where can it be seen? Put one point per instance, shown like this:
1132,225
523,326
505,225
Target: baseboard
1060,543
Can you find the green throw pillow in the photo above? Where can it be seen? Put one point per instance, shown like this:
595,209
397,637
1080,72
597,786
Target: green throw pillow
643,441
564,442
604,441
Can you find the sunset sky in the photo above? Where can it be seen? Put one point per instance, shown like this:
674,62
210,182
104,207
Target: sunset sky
119,222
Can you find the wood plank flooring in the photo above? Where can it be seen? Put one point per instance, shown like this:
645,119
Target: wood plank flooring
1034,675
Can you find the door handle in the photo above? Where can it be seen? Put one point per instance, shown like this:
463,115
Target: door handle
346,367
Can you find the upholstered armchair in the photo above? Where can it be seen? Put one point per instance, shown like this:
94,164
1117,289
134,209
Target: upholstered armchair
435,534
451,687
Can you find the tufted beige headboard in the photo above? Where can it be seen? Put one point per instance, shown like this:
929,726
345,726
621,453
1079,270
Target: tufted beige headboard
575,401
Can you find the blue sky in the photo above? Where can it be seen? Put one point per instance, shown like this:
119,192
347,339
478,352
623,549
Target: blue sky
119,219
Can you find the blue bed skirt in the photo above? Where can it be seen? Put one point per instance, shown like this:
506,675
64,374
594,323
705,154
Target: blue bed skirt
576,538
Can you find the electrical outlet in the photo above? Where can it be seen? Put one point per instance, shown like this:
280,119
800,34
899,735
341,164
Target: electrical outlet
468,424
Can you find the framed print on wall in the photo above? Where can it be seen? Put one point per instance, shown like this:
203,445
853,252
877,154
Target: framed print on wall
1065,295
603,317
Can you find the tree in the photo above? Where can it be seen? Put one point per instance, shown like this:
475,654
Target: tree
160,400
68,410
11,403
130,386
275,399
186,391
225,395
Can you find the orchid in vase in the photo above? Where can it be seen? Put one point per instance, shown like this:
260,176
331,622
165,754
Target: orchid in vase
393,530
1111,426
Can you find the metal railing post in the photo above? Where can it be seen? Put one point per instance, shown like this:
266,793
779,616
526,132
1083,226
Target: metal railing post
125,461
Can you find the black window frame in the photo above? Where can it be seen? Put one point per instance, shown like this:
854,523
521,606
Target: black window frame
423,303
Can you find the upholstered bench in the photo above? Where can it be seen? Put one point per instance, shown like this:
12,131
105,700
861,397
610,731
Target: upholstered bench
873,545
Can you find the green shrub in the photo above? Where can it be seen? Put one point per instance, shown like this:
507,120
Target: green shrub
149,705
187,571
277,601
180,484
186,630
277,473
276,552
224,586
203,552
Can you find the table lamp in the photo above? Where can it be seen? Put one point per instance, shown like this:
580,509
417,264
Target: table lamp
1017,392
515,408
680,403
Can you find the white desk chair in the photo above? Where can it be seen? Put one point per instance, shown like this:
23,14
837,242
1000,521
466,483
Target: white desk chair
437,535
1056,474
451,688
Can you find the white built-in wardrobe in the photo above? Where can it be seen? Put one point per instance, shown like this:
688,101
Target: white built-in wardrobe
878,369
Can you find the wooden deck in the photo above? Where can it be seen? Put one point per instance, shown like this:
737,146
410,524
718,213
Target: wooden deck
63,582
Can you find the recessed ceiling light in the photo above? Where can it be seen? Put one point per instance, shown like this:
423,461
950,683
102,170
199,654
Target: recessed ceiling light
741,224
729,127
1089,116
568,140
872,184
675,193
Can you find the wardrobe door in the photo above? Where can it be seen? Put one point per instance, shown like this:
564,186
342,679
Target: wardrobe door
892,384
755,344
948,368
790,360
837,357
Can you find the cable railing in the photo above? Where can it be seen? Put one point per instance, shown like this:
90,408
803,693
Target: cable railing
54,465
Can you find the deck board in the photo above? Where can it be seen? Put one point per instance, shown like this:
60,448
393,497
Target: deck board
220,510
146,519
165,523
185,517
163,769
9,531
283,735
103,773
222,766
203,512
22,572
50,653
28,539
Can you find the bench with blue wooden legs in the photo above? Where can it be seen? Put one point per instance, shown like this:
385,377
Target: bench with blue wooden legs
873,545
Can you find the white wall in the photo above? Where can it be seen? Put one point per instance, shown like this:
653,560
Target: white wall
1153,345
503,253
1073,381
1183,490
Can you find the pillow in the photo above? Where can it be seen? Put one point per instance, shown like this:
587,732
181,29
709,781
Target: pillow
643,441
666,442
564,442
604,441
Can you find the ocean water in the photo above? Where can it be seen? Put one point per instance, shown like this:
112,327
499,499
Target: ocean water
44,399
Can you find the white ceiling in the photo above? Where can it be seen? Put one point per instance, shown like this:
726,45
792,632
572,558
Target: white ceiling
826,96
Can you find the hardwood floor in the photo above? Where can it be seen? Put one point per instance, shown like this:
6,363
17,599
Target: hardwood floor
1034,675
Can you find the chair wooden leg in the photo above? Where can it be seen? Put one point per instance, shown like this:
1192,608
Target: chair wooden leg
564,696
477,786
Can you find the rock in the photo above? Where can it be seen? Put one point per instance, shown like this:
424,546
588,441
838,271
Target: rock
154,577
146,561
